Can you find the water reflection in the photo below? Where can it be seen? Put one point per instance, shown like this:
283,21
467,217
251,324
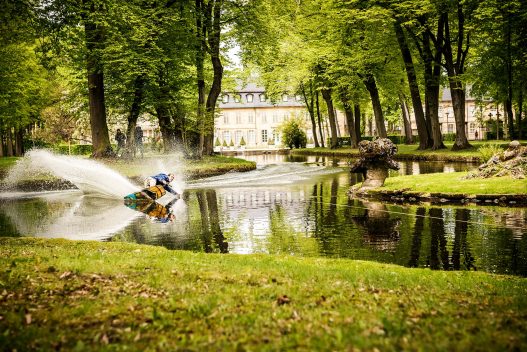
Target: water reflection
297,209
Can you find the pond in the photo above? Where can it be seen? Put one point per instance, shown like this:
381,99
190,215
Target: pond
289,205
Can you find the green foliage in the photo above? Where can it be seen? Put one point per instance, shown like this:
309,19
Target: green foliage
487,151
242,142
232,143
217,143
74,149
293,135
225,143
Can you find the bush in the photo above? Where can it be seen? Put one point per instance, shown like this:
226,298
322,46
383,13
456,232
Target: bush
293,134
225,143
242,142
217,143
76,149
232,143
487,151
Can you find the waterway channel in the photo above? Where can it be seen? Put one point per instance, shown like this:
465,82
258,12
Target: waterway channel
290,205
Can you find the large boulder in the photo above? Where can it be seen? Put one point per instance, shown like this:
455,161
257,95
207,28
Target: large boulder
510,162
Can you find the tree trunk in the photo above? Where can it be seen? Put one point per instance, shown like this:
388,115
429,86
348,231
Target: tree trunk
357,125
518,114
432,72
454,70
408,135
19,142
2,149
319,116
98,124
326,94
214,30
310,108
9,142
200,59
371,86
417,104
135,110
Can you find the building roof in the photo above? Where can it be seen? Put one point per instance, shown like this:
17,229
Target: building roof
251,88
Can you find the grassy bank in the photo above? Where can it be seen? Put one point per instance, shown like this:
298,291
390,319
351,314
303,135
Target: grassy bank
88,295
454,183
410,152
207,166
138,168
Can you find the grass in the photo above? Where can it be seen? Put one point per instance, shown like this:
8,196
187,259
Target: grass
454,183
59,294
411,151
139,167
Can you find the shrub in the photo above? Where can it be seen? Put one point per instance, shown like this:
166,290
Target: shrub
217,143
232,143
270,141
293,134
242,142
225,143
487,151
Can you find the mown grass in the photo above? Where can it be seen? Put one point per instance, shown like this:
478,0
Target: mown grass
411,151
59,294
140,167
454,183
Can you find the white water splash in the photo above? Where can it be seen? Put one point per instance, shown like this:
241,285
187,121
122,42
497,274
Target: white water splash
89,176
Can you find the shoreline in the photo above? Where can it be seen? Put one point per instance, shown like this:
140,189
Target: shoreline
414,197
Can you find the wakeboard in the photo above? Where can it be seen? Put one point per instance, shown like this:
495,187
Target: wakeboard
147,194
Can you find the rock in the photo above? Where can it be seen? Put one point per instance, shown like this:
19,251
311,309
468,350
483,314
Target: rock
511,162
375,161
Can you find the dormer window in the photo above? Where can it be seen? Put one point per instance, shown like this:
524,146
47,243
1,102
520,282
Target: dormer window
249,98
237,98
285,97
225,98
262,97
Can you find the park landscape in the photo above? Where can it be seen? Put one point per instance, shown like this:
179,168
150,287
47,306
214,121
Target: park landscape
281,247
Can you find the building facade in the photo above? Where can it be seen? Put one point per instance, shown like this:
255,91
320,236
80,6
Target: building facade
249,114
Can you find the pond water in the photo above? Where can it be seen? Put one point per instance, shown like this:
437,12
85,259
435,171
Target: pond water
289,205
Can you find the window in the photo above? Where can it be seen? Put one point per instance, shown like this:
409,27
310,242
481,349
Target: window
285,117
276,136
298,98
450,128
227,137
226,98
275,117
285,97
225,118
472,127
264,136
262,97
237,137
237,98
251,137
250,118
263,117
238,118
249,98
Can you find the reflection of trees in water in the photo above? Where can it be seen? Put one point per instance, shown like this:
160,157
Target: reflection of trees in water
379,229
7,227
416,237
461,247
211,232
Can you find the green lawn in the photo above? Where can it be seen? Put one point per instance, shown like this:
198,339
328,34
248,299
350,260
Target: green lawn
406,151
454,183
139,167
59,294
